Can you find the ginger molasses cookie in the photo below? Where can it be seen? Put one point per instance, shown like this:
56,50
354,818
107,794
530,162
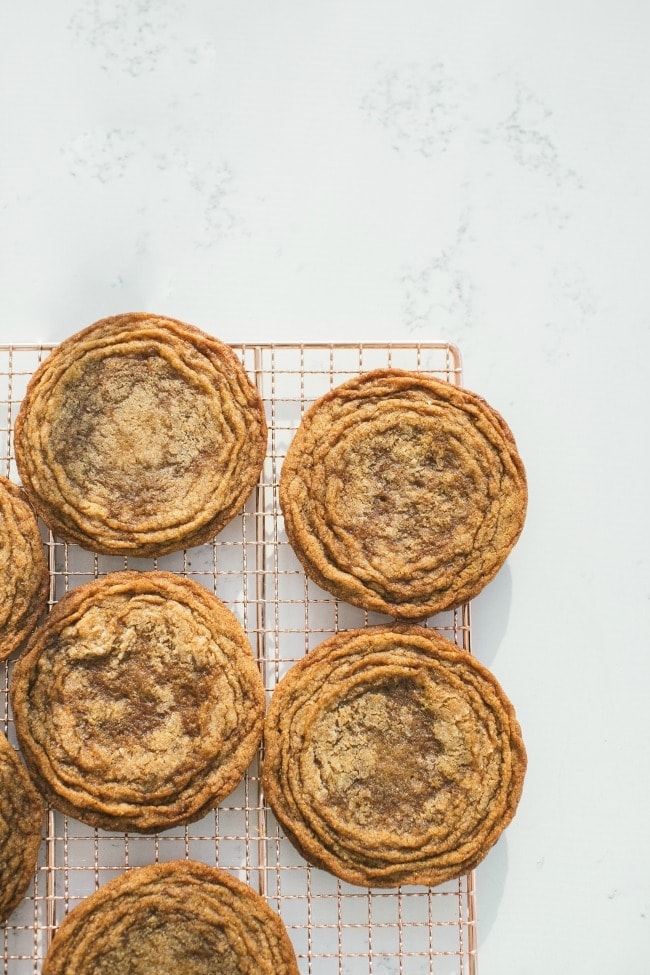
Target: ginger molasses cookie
24,576
21,820
138,704
402,493
179,917
140,435
392,757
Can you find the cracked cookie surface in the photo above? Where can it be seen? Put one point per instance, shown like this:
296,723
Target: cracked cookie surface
140,435
138,703
182,917
24,576
21,819
402,494
392,757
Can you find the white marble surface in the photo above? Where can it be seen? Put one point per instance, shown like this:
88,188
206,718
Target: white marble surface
413,170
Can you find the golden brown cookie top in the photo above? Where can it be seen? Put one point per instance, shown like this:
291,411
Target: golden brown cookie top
177,917
140,435
21,820
392,757
402,494
138,703
24,576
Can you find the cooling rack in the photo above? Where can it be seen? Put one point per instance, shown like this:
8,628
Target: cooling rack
336,928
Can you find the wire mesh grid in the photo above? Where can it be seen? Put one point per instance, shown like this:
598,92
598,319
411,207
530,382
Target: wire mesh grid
336,928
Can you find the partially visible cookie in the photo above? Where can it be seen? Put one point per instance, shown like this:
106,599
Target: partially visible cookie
24,576
402,494
392,757
21,820
138,703
140,435
180,917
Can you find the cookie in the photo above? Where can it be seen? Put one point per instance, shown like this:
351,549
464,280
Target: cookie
21,820
138,703
392,757
402,494
24,576
182,917
140,435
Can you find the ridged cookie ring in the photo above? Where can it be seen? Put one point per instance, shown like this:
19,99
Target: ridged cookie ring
180,917
138,704
21,820
392,757
140,435
402,494
24,575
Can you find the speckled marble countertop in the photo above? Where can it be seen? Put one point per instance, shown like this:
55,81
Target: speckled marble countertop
401,171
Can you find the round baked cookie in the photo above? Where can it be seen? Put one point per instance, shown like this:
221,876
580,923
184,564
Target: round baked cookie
179,917
392,757
24,576
21,820
402,494
140,435
138,703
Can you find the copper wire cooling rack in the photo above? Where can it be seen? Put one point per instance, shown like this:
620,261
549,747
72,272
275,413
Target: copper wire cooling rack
336,928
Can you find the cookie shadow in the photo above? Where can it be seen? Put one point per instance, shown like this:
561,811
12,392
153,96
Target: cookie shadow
490,612
490,882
